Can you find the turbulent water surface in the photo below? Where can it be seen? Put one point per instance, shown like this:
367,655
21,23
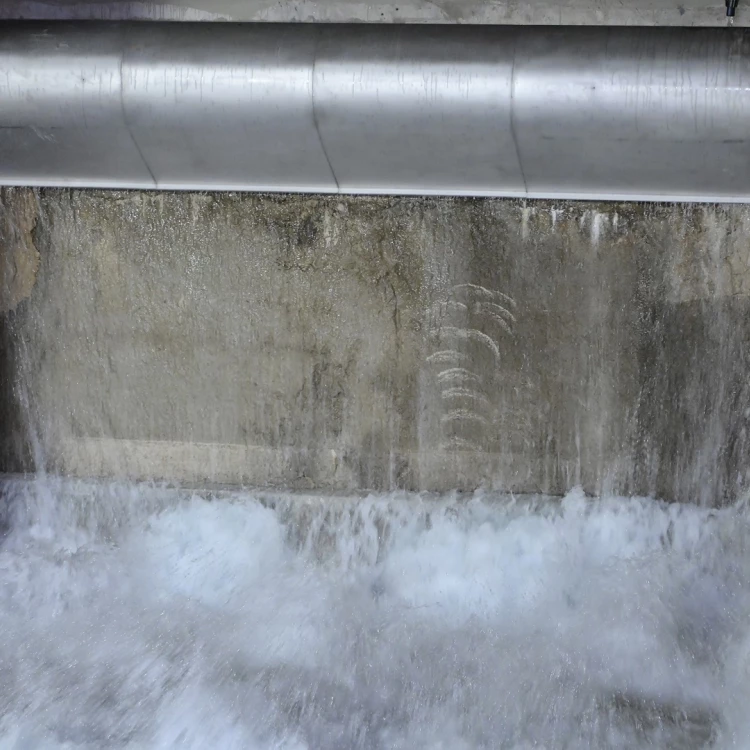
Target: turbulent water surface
146,617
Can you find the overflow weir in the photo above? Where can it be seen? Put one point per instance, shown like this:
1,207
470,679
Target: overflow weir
444,340
374,387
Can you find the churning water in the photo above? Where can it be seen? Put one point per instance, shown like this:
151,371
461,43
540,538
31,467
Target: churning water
146,617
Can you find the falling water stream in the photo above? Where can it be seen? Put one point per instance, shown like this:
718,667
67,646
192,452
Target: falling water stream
139,616
143,616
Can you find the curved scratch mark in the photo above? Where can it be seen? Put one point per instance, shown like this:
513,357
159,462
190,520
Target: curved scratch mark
488,294
463,414
493,309
493,316
473,334
469,393
447,357
457,374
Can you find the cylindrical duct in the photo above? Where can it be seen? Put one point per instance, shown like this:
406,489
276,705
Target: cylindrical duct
584,112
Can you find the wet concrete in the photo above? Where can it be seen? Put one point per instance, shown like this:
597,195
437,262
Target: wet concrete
351,343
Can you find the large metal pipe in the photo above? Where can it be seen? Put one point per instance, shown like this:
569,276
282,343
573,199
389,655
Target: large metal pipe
646,113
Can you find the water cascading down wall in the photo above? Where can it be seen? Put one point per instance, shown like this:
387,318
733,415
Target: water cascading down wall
344,258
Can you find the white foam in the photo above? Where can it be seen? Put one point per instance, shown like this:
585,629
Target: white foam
143,617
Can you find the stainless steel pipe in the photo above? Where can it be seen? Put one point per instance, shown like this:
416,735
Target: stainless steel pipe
596,113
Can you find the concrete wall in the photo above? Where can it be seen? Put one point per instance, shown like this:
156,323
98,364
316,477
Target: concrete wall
584,12
346,343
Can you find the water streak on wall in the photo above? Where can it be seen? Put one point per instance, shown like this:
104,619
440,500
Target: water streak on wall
347,343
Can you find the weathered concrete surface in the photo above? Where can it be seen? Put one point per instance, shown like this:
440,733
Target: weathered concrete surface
19,258
546,12
19,264
347,343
